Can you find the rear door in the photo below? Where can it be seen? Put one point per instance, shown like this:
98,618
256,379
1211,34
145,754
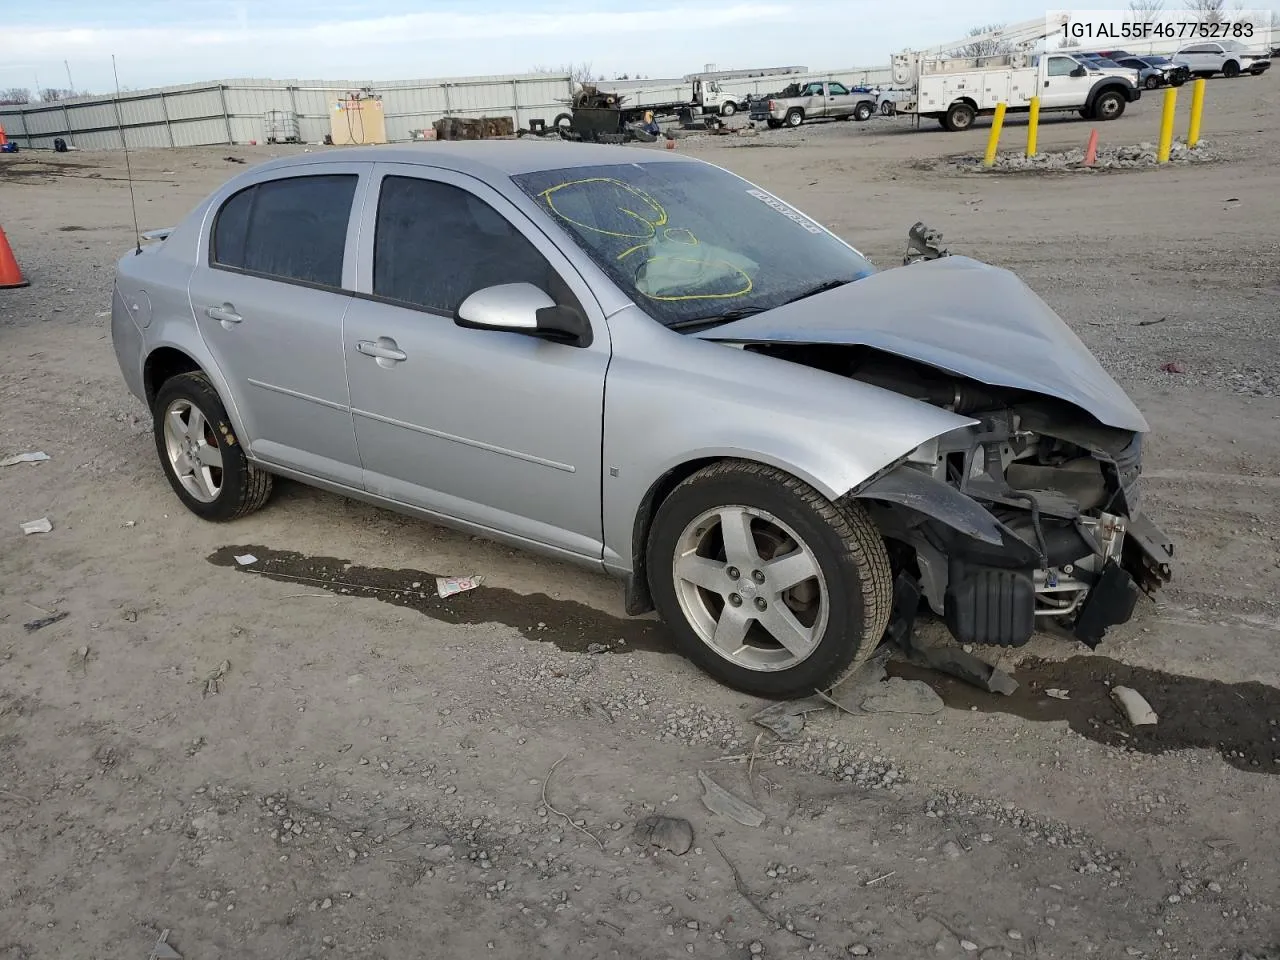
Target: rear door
495,428
274,280
1202,57
1060,88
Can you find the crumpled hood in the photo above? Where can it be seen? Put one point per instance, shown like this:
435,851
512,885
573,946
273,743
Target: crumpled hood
956,314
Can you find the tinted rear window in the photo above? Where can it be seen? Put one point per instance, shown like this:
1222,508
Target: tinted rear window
292,229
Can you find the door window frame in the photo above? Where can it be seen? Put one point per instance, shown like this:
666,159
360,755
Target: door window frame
205,251
366,232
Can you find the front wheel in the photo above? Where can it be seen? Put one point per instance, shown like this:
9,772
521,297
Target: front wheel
1108,106
728,109
887,109
863,111
1151,82
200,453
767,585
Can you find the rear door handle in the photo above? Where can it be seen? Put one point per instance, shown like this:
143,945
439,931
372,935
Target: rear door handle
224,314
383,349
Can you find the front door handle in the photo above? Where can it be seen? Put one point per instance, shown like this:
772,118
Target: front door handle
384,348
224,314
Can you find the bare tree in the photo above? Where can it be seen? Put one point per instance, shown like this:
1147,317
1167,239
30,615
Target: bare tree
579,72
54,94
1145,11
15,95
1210,11
1070,43
980,49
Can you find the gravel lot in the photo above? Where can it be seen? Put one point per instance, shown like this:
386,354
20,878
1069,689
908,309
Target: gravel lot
314,756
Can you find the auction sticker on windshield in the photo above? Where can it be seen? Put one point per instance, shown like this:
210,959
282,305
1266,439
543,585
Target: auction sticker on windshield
787,211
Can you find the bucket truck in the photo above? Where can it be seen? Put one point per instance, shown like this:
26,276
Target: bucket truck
955,90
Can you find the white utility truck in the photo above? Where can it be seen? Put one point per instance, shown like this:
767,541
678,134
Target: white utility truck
956,90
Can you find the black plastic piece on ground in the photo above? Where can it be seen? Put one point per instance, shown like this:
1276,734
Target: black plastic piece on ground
1111,601
990,606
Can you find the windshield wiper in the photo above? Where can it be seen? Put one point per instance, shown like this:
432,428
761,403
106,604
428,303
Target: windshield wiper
715,320
820,288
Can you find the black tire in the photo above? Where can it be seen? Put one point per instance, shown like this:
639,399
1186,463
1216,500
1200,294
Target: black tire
1085,114
864,111
1176,83
562,120
850,554
244,487
1108,106
959,116
1151,82
795,117
888,108
773,124
728,109
1231,69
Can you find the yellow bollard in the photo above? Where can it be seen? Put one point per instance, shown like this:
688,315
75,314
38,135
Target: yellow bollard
993,141
1166,124
1197,108
1033,126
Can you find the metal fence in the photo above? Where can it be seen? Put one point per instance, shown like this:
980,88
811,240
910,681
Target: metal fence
234,111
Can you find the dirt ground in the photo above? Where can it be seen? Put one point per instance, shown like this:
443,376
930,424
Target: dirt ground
312,755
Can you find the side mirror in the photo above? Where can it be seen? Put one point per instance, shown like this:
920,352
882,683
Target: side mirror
523,308
1079,72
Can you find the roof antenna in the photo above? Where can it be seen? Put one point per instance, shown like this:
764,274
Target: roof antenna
128,166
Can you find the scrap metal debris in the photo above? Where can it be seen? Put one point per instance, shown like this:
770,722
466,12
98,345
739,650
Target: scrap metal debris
245,559
719,800
966,667
786,720
25,458
448,586
923,243
669,833
1058,694
161,949
31,626
1135,706
37,526
213,682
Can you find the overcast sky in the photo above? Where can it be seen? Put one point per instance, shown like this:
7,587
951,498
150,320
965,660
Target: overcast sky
158,42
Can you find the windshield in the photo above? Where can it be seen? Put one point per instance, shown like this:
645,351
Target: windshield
691,243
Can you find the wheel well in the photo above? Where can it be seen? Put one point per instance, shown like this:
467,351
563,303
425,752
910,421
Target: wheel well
1105,88
965,100
164,364
638,599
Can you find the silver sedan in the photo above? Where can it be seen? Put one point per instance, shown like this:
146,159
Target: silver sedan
648,365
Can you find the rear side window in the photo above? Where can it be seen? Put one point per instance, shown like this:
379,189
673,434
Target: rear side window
291,229
436,244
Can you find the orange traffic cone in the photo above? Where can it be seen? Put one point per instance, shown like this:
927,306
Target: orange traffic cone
10,273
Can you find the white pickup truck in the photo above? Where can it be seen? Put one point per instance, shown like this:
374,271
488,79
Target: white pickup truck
812,101
956,92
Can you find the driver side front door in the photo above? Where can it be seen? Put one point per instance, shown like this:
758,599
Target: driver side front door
500,430
1059,88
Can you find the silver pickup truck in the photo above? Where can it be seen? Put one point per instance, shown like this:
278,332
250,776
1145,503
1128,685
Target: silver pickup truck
813,101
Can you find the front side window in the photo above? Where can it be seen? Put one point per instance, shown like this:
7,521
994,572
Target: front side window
837,89
436,244
690,243
1062,66
289,229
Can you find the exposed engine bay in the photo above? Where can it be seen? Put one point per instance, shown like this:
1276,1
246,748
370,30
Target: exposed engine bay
1027,520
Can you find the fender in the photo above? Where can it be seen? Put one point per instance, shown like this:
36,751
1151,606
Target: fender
708,401
1110,83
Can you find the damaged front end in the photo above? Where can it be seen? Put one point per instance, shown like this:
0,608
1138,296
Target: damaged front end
1029,520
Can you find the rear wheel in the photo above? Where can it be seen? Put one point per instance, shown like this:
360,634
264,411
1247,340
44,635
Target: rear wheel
201,456
773,124
887,108
960,116
767,585
795,117
1108,106
1231,69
